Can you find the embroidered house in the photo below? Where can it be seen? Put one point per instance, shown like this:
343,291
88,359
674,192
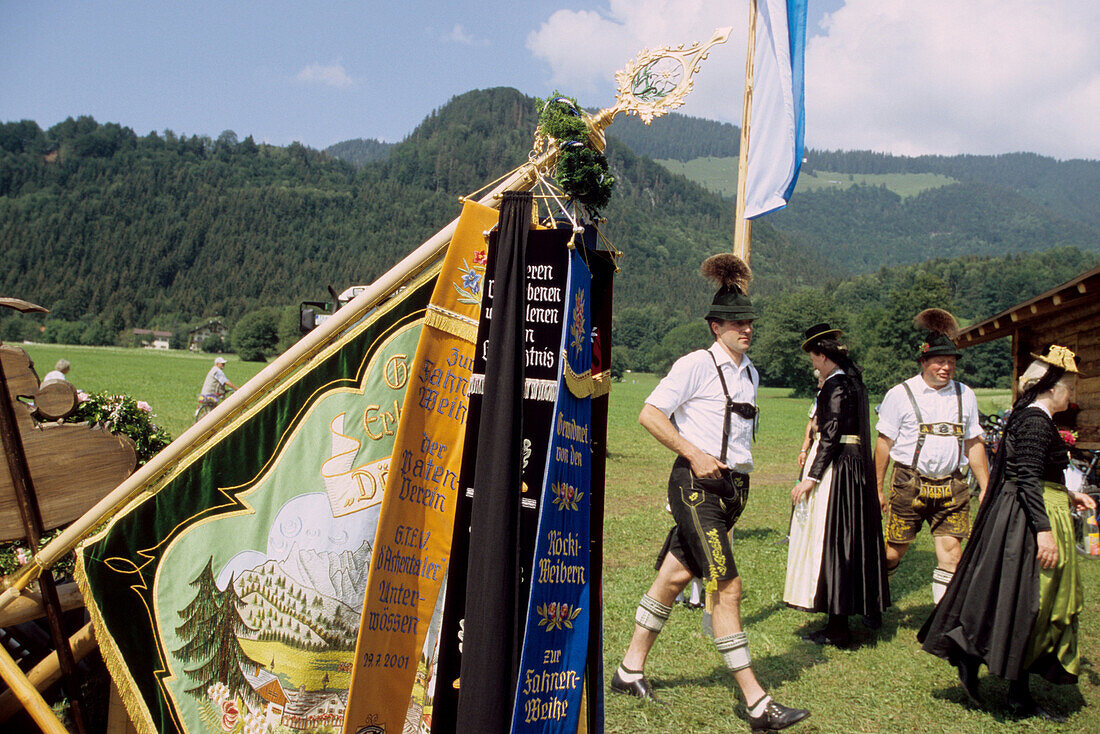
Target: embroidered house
311,709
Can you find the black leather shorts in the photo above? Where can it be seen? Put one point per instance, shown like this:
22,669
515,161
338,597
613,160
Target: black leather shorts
705,510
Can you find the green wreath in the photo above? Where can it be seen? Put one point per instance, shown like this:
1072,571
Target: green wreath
582,171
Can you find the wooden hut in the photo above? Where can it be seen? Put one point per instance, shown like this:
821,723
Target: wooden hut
1068,315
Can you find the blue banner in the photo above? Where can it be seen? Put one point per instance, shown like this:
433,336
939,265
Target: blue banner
555,642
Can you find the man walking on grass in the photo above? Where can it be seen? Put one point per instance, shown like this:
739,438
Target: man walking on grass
929,426
704,410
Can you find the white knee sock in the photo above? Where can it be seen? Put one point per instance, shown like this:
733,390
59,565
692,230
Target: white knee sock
734,650
940,580
652,614
629,676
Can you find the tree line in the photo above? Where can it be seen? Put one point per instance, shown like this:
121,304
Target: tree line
874,310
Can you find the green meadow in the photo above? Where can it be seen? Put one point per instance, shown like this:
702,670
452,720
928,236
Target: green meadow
884,683
720,176
169,380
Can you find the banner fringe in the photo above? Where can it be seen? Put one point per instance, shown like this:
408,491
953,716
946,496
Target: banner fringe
601,384
580,385
452,323
545,390
542,390
112,658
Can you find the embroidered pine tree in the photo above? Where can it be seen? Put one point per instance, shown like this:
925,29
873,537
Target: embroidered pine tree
212,622
199,616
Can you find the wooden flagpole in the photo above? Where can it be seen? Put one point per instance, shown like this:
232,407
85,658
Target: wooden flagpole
742,228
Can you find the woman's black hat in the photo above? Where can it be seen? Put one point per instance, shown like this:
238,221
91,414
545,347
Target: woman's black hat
818,331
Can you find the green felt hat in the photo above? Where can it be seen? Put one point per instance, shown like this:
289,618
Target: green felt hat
730,303
940,328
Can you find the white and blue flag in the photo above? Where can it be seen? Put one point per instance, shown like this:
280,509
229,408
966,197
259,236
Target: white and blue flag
778,120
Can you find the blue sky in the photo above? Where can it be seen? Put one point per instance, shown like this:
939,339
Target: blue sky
936,76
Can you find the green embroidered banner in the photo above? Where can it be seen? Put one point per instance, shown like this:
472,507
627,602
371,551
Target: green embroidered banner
227,598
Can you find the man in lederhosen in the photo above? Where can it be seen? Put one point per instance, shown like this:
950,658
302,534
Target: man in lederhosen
705,410
929,426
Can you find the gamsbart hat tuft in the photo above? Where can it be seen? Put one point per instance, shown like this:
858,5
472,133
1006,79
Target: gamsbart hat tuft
940,327
730,302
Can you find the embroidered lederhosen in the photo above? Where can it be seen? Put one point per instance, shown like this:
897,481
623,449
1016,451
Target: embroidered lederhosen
943,502
705,509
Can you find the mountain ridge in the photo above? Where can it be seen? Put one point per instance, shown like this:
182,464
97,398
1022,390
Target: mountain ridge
112,230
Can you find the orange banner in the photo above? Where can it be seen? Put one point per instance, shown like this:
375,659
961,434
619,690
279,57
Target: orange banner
412,546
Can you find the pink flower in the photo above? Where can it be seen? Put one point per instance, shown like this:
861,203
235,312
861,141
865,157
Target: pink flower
23,556
142,405
479,257
1070,437
81,396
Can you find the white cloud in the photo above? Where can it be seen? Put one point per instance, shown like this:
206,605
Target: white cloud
334,75
459,34
935,76
943,76
585,48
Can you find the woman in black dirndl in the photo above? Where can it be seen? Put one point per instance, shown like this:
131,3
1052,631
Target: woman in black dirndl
1014,601
836,560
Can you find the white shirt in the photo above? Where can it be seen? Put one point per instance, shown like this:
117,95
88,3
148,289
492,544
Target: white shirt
940,455
691,397
214,384
54,376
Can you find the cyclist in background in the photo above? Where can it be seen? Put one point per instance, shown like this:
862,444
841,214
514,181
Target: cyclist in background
213,388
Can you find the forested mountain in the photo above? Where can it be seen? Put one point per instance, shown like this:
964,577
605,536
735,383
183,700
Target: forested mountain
1070,189
677,137
155,230
862,228
360,152
150,231
111,230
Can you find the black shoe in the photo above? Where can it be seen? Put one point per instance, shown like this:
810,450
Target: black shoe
639,688
968,676
1028,708
841,638
872,621
776,716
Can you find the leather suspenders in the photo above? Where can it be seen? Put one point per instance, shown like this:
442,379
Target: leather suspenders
936,429
747,411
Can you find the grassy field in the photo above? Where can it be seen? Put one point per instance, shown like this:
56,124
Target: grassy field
883,684
720,176
168,380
